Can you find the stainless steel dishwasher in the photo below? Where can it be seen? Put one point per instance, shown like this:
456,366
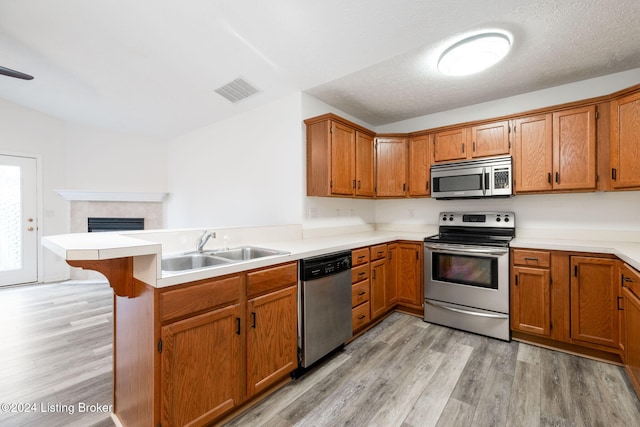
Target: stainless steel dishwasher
324,309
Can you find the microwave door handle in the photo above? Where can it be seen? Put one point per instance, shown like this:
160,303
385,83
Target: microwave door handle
484,186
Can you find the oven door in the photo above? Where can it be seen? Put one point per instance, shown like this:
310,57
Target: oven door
456,182
472,276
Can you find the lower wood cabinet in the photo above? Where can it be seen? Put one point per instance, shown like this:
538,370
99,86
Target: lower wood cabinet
409,275
378,282
594,301
218,349
571,300
632,336
272,335
200,378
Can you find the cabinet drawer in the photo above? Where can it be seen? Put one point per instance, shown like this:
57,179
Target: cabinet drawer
359,293
360,316
378,252
199,297
531,258
271,278
631,279
359,256
360,273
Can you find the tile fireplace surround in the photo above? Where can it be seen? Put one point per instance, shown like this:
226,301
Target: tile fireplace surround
111,205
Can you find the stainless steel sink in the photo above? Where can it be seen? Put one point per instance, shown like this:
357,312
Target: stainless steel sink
191,262
195,260
246,253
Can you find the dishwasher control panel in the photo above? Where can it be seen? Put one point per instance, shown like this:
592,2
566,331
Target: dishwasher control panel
325,265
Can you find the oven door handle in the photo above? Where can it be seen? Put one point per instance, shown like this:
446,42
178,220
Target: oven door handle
471,313
466,251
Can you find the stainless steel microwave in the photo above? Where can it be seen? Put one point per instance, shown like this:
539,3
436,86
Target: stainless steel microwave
486,177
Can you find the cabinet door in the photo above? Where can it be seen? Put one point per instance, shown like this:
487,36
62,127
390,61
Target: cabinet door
391,294
632,336
594,301
491,139
391,167
410,274
365,179
450,145
343,162
625,142
272,334
378,284
200,367
574,149
533,154
420,165
531,300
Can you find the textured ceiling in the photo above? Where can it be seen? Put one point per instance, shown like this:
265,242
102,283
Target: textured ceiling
152,66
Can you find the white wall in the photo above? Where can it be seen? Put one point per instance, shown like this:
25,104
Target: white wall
243,171
100,160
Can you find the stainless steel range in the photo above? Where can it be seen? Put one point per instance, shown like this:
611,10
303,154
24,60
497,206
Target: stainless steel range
466,269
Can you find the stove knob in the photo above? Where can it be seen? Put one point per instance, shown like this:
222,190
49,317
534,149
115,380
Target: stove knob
506,220
444,218
498,219
450,218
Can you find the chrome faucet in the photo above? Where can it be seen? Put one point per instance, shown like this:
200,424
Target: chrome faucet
202,240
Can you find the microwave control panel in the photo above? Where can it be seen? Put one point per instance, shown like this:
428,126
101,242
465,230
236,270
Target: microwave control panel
501,178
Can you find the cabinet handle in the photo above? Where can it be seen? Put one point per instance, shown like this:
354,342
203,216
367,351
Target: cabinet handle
354,183
516,280
361,293
361,256
359,184
426,187
613,173
558,177
549,177
474,146
237,325
575,271
530,259
374,274
620,308
463,147
380,253
361,274
361,317
253,317
404,186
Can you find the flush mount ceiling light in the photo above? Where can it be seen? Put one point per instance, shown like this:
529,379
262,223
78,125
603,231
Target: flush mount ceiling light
474,54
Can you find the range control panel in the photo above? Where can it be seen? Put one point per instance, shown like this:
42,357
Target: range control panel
478,219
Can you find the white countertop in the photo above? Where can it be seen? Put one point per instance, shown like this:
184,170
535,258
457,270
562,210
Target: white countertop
629,252
100,246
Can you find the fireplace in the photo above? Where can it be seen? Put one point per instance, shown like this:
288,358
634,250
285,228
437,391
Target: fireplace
98,224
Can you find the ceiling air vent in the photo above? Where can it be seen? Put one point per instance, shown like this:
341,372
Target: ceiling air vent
237,90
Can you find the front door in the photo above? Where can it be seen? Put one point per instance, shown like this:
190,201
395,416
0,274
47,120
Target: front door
18,222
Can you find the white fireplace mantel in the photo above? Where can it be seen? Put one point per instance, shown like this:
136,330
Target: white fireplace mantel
104,196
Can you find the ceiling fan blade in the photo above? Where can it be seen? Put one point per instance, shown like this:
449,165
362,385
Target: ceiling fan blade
13,73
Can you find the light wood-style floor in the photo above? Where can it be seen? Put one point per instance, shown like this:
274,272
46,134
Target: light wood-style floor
56,345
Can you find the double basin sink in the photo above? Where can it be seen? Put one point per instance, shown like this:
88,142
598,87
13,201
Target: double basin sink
195,260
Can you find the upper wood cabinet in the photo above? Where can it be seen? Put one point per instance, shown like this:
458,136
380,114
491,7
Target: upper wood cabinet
625,142
340,158
574,149
451,145
489,139
419,166
391,166
533,153
556,151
